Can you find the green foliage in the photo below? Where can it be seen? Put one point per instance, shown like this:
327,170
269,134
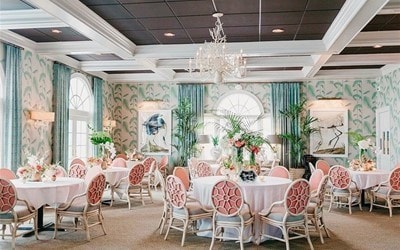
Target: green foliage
185,131
298,136
99,137
355,137
215,140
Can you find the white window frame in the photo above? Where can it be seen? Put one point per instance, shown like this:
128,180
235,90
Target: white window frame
75,116
2,89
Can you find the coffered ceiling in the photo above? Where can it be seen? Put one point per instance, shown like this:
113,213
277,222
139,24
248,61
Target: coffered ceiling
124,41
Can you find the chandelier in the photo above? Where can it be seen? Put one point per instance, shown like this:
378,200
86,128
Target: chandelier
212,61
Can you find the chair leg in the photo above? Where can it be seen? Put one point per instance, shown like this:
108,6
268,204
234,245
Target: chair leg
308,235
86,225
100,218
35,225
185,226
56,221
286,237
169,227
390,207
349,203
213,235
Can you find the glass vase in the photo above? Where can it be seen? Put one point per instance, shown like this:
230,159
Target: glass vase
253,159
239,158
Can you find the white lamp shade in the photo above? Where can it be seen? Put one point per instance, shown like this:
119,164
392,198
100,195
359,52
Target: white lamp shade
42,116
204,139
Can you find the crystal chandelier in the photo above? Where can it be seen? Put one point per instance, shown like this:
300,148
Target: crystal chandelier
211,59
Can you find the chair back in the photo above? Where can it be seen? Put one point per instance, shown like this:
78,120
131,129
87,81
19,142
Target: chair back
220,171
339,177
394,179
119,162
182,174
95,189
122,156
77,170
227,198
136,174
315,179
176,191
297,197
77,160
321,191
8,196
275,163
160,176
323,165
8,174
192,166
279,171
61,172
203,169
312,167
147,163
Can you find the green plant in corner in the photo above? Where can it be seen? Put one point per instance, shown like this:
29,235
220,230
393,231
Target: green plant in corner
299,135
185,132
215,140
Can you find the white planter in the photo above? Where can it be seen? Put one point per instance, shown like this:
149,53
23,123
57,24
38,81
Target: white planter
216,152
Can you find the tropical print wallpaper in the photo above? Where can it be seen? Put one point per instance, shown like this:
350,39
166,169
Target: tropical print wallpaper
359,96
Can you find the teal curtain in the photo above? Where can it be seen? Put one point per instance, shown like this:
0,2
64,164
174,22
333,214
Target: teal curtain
61,83
12,126
282,96
195,94
98,107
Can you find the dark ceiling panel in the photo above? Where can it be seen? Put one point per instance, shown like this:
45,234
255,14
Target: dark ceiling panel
149,10
45,35
140,37
326,16
237,6
313,28
130,72
160,23
325,4
352,67
139,1
370,50
239,20
99,2
281,18
111,11
126,24
383,22
191,8
283,5
198,21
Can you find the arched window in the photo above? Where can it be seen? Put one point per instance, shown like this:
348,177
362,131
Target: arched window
80,115
2,86
242,103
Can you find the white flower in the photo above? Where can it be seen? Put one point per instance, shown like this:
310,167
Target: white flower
365,144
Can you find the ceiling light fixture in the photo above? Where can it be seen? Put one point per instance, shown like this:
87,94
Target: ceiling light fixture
278,30
377,46
212,60
169,34
56,31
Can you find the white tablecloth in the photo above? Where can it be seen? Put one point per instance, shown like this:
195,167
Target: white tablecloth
368,179
259,195
52,192
115,174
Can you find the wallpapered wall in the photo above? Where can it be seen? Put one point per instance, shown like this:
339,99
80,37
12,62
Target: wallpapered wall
121,101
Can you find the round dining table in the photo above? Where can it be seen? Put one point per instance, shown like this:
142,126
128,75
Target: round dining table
365,180
115,174
53,193
259,194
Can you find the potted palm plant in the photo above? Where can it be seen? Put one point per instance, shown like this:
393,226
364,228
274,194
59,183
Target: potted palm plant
299,135
185,132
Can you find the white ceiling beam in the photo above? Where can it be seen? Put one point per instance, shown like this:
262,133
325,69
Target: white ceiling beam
371,38
133,78
16,39
111,65
81,47
363,59
167,74
28,19
392,7
65,60
319,61
85,21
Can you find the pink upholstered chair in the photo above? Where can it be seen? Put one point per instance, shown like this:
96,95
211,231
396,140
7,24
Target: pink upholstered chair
77,160
61,172
147,163
122,156
220,171
83,209
77,170
203,169
119,162
192,167
387,191
230,211
14,211
289,213
182,174
183,209
150,164
323,165
315,180
343,188
130,186
163,165
8,174
279,171
315,208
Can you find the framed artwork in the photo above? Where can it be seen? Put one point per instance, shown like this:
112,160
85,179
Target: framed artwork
331,140
154,132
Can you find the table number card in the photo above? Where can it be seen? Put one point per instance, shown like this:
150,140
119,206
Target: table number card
247,175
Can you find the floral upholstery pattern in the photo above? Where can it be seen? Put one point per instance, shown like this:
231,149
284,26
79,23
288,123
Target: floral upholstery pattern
77,171
8,197
227,198
323,165
77,161
203,169
147,163
95,189
395,179
176,191
297,197
340,177
136,174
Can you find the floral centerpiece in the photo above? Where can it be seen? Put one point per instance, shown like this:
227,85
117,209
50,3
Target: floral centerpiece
35,169
364,143
104,141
